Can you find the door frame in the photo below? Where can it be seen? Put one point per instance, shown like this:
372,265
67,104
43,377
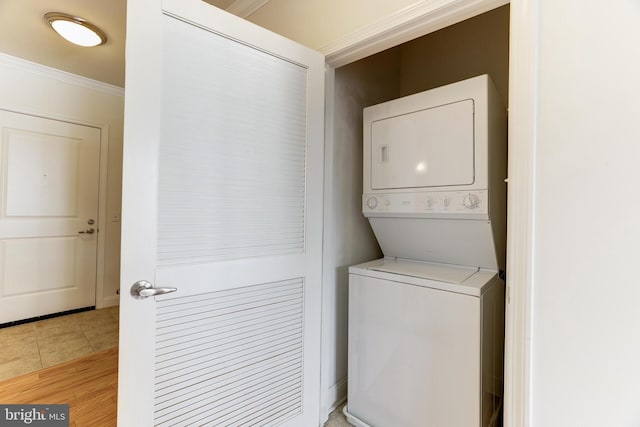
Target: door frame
99,300
423,18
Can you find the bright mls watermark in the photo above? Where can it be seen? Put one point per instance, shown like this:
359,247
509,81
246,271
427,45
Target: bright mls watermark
34,415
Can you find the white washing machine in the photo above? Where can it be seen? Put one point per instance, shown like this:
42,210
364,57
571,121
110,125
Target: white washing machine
420,335
426,323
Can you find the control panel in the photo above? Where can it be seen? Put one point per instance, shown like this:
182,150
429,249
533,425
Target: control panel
440,202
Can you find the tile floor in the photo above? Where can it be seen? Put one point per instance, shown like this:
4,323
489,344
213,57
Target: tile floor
337,419
32,346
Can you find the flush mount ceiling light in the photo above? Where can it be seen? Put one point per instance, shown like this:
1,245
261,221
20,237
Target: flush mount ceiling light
76,30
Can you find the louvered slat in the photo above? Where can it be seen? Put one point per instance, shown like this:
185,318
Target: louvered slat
230,358
230,187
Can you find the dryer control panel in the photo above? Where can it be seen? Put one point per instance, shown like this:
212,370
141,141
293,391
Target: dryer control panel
440,202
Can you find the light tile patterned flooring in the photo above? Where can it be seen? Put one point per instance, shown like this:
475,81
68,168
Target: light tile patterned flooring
32,346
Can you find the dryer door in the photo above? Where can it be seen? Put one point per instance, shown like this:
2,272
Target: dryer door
426,148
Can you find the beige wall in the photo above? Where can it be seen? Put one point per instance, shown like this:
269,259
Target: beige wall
586,290
348,237
479,45
318,23
28,88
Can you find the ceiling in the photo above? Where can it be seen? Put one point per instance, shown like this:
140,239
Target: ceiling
25,34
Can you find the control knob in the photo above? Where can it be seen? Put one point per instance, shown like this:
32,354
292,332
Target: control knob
428,203
372,202
471,201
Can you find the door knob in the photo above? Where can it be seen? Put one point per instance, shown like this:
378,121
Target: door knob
143,289
89,231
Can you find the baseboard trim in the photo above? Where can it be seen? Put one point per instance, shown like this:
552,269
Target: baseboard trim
110,301
45,316
336,396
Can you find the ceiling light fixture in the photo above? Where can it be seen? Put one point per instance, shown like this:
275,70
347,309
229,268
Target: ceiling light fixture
76,30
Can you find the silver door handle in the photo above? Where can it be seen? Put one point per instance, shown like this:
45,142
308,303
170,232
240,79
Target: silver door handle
144,289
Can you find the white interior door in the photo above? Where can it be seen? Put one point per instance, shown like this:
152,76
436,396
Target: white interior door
49,177
222,199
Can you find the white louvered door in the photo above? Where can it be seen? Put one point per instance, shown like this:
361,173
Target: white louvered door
222,199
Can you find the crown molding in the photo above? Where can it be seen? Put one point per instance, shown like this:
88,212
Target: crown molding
407,24
244,8
62,76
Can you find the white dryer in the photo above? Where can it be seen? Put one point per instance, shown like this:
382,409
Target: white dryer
426,323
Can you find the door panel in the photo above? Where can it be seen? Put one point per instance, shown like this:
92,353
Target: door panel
46,165
230,357
222,200
237,188
55,258
49,186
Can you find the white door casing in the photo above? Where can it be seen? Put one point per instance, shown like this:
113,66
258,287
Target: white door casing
222,199
428,16
49,182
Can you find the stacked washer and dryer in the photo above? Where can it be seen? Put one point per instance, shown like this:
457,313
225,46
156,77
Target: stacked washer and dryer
426,322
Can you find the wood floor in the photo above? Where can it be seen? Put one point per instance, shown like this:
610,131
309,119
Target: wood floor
89,385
